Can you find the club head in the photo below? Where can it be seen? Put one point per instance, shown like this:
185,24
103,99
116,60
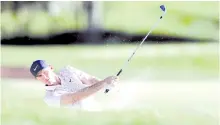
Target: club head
163,8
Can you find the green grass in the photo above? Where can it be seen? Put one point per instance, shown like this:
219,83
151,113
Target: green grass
187,61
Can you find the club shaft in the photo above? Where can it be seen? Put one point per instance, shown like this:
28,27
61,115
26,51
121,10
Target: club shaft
126,62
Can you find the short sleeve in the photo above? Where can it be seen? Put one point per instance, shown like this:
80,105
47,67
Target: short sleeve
52,100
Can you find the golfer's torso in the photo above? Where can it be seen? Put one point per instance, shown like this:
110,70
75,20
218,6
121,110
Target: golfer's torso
70,82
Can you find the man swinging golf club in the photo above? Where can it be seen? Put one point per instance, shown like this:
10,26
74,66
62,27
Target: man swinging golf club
70,87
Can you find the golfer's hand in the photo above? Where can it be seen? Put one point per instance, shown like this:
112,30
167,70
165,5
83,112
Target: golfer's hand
111,80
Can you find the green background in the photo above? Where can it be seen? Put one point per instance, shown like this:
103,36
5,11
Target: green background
166,84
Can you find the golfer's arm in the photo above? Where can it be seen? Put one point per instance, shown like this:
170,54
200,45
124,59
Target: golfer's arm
71,98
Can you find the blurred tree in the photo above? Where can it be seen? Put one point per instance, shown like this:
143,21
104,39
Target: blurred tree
16,5
94,20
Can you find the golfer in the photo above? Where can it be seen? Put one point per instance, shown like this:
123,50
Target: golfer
70,87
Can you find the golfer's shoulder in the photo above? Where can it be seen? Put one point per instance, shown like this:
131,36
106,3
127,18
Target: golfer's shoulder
68,68
51,99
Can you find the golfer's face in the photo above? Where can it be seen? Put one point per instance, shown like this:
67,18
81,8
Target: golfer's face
47,76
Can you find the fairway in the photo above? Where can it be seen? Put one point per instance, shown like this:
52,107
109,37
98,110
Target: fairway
151,62
171,84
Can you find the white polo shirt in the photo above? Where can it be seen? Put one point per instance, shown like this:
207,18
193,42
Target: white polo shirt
70,82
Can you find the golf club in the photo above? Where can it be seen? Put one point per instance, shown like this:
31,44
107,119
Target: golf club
162,7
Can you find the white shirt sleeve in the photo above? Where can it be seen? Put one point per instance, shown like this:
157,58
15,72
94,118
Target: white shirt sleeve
52,100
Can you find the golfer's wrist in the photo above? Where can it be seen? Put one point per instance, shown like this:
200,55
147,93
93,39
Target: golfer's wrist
105,83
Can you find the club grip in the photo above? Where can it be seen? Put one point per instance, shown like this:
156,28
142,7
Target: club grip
107,90
119,72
